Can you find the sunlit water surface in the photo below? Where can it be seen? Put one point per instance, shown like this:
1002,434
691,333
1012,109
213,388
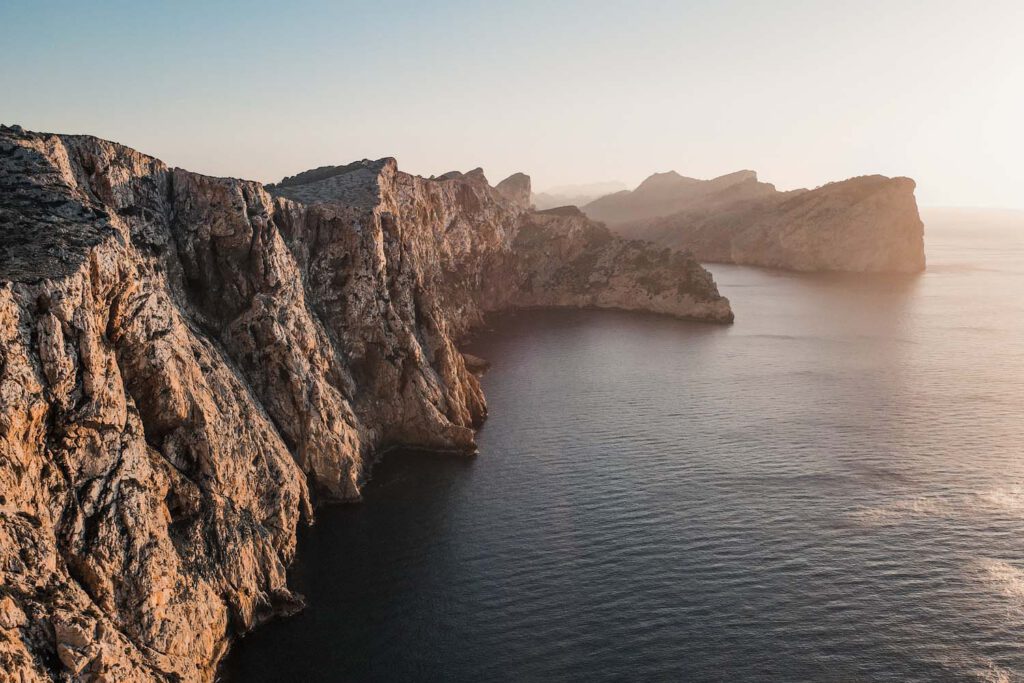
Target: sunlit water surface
830,489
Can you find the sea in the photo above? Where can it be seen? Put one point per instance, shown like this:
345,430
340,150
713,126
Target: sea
830,489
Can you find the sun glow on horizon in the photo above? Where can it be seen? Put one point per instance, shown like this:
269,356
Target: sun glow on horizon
568,92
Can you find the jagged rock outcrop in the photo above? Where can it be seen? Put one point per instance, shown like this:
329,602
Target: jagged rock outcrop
866,224
572,261
187,364
475,176
148,501
516,189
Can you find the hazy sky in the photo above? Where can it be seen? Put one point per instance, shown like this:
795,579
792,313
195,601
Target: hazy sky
569,92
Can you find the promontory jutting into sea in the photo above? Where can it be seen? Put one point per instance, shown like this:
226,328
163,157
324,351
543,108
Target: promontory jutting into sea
208,358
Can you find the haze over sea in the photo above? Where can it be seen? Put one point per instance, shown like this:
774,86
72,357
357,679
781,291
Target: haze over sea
830,489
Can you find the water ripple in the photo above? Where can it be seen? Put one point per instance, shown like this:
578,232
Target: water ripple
832,489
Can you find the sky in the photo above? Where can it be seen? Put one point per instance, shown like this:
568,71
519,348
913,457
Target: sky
570,92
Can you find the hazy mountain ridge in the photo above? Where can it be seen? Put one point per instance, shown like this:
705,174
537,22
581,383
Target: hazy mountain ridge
865,224
663,194
575,195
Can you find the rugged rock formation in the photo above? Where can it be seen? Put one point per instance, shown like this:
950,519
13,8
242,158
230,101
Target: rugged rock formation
866,224
476,176
188,363
571,261
516,189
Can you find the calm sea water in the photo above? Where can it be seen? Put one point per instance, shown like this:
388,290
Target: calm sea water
830,489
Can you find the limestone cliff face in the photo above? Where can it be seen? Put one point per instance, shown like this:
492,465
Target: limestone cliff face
149,503
572,261
516,189
187,364
867,224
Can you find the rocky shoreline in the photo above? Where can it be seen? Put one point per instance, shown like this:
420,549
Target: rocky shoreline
189,365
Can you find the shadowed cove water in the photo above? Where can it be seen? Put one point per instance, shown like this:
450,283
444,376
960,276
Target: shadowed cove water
830,489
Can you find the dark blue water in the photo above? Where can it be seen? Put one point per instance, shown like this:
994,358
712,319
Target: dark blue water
830,489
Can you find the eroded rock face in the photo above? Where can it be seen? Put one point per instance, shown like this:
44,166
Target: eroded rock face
865,224
571,261
148,501
188,363
516,189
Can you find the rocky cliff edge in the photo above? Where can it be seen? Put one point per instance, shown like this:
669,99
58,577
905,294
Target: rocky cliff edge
188,364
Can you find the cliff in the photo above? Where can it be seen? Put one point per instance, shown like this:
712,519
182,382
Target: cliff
866,224
188,364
